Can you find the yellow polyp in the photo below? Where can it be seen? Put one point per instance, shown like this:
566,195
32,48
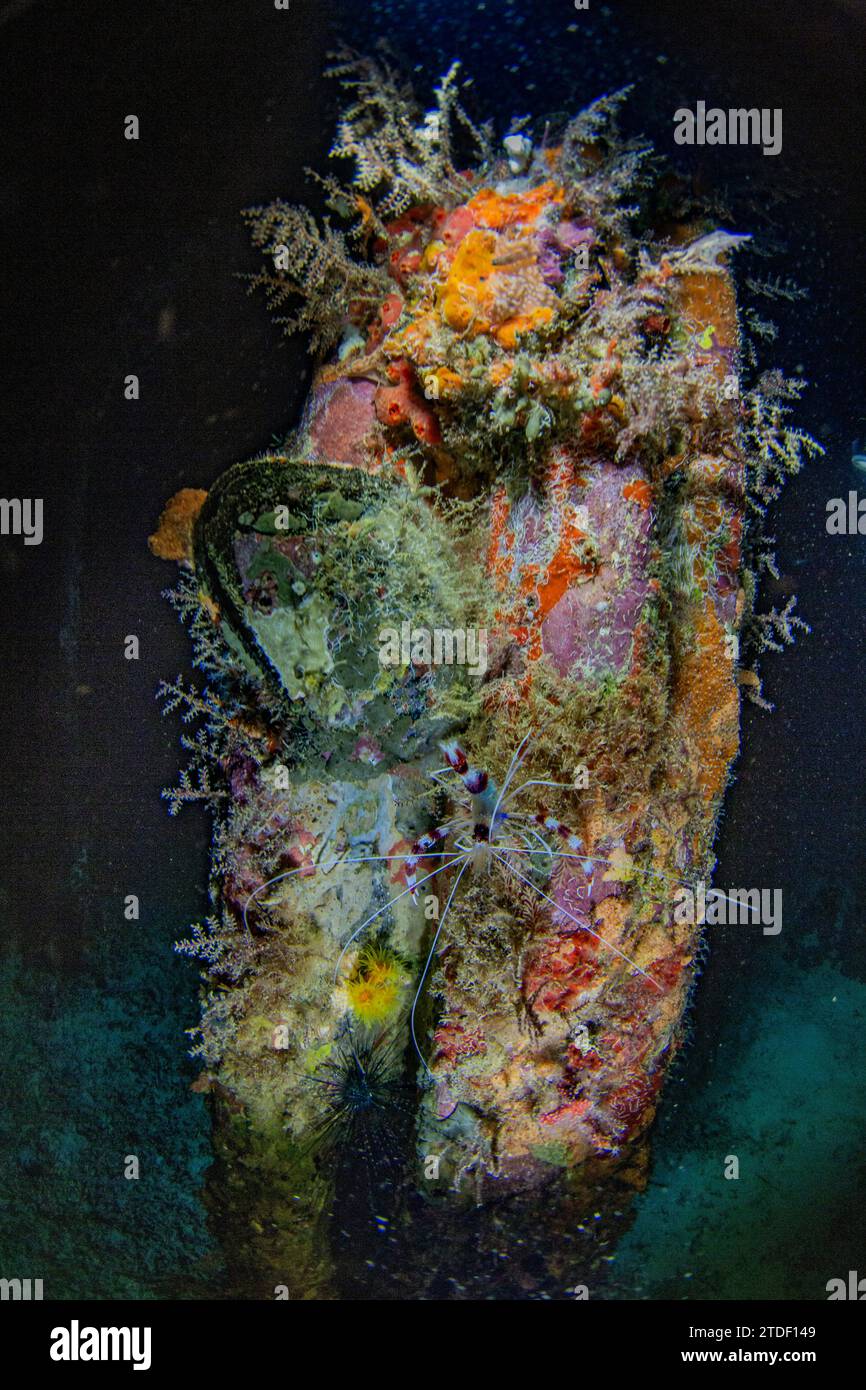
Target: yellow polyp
380,973
372,1003
376,987
430,255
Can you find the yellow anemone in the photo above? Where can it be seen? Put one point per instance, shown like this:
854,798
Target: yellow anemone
376,985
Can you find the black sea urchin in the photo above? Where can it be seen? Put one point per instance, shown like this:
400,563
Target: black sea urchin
368,1108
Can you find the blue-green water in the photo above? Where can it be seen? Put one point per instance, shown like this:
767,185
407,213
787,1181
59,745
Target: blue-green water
93,1072
786,1097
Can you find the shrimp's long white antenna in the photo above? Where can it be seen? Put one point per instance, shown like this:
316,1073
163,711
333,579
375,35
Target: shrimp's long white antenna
526,844
440,775
384,908
603,940
427,964
365,859
516,760
538,782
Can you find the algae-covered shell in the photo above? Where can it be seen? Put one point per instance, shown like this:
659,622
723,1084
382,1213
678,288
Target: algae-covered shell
311,566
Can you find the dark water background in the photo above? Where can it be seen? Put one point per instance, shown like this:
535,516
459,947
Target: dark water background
120,258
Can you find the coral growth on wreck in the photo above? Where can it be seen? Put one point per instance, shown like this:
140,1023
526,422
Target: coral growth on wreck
533,419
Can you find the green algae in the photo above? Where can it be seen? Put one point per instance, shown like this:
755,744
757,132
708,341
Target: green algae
296,643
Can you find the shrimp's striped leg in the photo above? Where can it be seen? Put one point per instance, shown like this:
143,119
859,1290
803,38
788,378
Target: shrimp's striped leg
305,869
554,826
421,850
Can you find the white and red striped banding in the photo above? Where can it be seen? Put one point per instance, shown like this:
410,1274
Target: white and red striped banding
423,845
573,841
455,757
475,781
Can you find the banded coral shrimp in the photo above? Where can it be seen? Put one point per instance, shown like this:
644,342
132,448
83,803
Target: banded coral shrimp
487,831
